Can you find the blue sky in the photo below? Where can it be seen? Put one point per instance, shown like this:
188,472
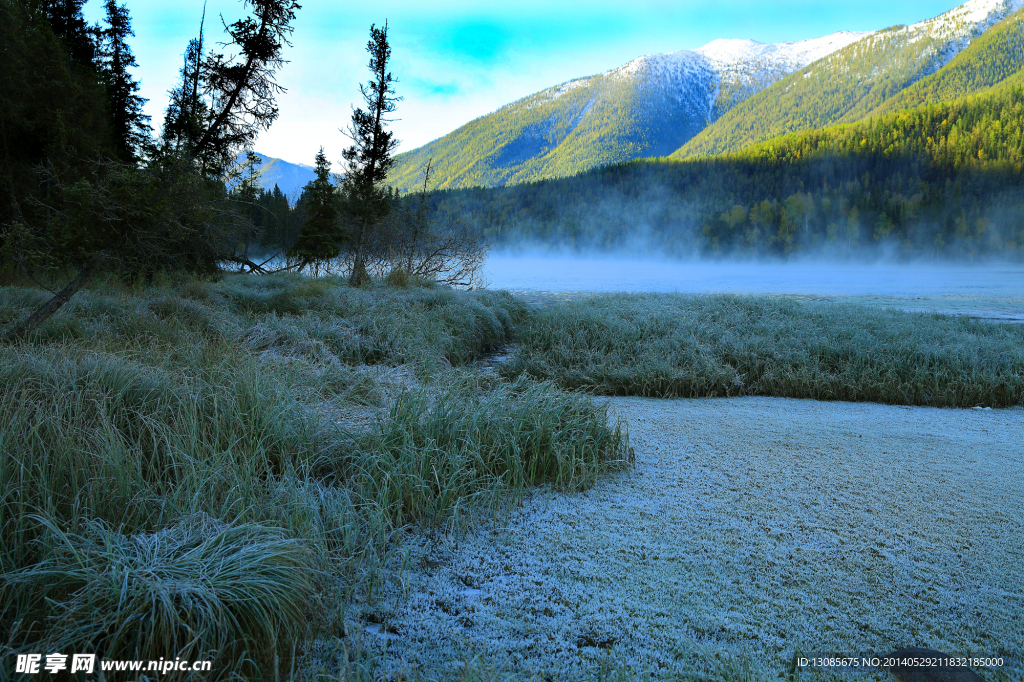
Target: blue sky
459,60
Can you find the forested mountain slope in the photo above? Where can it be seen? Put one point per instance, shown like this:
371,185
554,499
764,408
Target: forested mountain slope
941,180
994,56
852,82
648,107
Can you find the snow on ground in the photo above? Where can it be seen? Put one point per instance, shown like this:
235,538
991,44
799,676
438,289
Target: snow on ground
755,526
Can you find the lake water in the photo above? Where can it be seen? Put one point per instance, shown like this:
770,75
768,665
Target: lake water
992,291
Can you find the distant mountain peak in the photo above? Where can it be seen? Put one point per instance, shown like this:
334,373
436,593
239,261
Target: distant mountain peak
289,177
264,158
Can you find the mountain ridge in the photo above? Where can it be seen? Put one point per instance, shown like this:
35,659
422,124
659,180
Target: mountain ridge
852,82
647,107
717,98
289,177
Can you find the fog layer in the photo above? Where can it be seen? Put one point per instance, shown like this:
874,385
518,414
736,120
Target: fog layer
994,290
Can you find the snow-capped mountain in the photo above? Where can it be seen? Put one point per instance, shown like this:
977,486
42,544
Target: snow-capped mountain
648,107
732,53
724,64
747,66
735,68
851,81
715,98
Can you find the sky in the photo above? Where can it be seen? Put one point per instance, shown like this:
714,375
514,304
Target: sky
458,60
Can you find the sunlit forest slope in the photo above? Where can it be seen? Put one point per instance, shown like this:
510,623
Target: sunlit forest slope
993,57
581,124
862,78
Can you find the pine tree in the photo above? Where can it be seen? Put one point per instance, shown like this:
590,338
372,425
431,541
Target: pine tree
367,198
67,21
53,110
131,125
159,216
186,110
320,239
241,87
224,100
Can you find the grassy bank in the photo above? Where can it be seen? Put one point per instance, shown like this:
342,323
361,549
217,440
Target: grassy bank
699,346
236,469
219,469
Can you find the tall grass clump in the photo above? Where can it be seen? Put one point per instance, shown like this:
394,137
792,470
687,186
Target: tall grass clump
212,469
104,465
384,325
437,449
725,345
197,589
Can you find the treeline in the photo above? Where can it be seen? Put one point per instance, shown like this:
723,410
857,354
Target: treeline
66,94
942,181
86,185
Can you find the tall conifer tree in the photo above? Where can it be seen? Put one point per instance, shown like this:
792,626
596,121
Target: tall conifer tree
320,239
68,22
131,125
186,110
367,197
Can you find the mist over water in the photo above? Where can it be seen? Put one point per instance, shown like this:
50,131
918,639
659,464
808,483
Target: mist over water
554,273
993,290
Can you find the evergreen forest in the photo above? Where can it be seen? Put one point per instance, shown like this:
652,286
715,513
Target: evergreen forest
940,181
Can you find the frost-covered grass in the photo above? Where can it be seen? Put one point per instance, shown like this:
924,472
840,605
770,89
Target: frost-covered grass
751,529
254,467
220,469
664,345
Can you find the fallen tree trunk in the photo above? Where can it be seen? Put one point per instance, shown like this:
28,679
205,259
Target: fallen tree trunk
29,324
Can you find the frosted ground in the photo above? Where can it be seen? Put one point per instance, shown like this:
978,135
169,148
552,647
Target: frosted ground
751,526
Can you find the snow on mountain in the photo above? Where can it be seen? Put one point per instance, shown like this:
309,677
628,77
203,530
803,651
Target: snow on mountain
657,103
972,17
735,55
742,66
729,54
954,30
951,32
731,60
732,56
